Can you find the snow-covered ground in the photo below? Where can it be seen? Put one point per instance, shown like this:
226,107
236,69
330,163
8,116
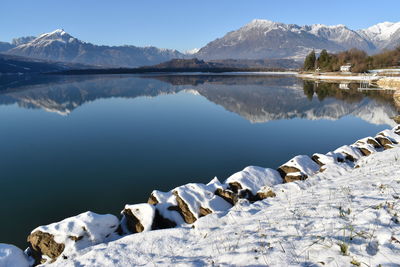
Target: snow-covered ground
353,77
344,214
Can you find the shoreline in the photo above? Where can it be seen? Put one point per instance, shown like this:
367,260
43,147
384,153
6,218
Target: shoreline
183,206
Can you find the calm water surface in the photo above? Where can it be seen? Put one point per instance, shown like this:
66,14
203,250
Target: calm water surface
72,144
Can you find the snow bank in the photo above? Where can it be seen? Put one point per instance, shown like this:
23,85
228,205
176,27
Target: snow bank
11,256
340,77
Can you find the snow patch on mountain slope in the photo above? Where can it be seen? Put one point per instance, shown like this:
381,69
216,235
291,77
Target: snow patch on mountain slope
381,31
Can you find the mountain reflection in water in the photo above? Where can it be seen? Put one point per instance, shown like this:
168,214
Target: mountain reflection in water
255,98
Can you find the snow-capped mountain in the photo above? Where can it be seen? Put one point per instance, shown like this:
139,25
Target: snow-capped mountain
384,35
61,46
268,39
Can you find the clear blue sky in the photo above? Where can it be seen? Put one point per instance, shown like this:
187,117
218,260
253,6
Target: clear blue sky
180,24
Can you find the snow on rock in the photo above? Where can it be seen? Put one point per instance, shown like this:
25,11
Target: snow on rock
391,135
324,159
339,217
367,146
252,183
166,215
137,218
70,235
253,178
298,168
387,139
349,153
11,256
197,200
159,197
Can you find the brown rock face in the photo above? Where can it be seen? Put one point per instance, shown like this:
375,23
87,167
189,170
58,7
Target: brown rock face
227,195
385,142
349,157
42,243
284,170
152,200
264,195
235,187
315,158
291,177
364,151
184,210
204,211
290,174
374,143
133,224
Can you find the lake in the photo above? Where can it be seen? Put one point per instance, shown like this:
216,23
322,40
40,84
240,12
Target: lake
71,144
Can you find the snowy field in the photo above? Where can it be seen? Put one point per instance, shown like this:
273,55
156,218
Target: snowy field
345,214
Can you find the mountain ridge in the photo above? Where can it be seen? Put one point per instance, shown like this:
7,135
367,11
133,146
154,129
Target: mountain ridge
279,40
258,39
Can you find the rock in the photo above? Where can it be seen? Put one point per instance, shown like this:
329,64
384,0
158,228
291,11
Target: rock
295,176
227,195
11,256
137,218
253,178
196,200
41,243
385,142
184,209
298,168
350,153
368,146
391,135
159,197
70,235
265,192
323,160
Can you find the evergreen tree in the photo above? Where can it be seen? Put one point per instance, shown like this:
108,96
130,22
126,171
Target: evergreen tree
324,60
309,62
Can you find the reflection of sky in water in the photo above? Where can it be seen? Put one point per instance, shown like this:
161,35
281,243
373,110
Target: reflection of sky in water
116,145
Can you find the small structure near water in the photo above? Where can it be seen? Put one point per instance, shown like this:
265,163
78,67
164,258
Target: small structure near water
346,68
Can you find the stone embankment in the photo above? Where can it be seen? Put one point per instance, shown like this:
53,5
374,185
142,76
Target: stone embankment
183,205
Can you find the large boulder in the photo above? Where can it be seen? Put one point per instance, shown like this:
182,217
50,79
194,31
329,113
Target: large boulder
47,243
166,210
298,168
196,200
325,159
252,183
367,146
348,153
137,218
11,256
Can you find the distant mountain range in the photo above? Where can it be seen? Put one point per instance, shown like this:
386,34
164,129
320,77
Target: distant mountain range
257,40
268,39
61,46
